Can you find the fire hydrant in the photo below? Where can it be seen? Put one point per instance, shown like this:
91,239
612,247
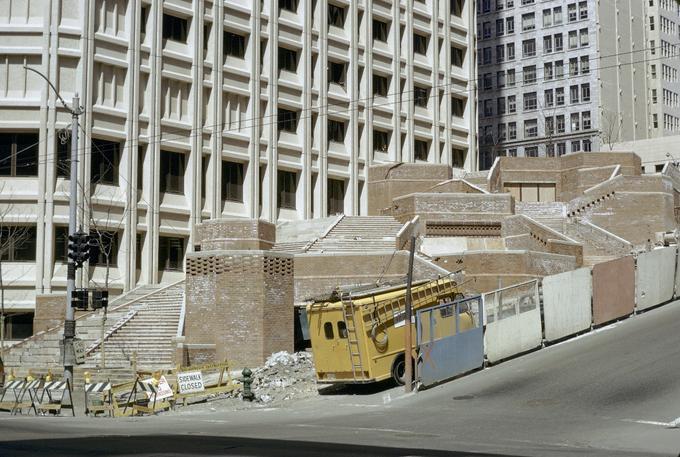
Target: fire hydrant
248,394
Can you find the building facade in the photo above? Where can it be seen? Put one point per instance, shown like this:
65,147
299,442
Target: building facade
565,76
195,110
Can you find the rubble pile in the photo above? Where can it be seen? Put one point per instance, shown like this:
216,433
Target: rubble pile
285,376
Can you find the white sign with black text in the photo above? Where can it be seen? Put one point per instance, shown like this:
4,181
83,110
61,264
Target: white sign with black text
190,382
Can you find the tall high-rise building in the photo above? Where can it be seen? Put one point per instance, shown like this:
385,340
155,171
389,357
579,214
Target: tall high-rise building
195,110
558,76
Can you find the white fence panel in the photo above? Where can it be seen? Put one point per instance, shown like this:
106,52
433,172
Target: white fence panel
566,303
513,321
655,277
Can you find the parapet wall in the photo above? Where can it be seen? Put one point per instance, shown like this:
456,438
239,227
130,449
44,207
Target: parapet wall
454,207
234,233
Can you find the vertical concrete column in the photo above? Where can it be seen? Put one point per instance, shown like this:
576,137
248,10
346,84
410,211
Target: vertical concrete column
395,151
307,81
196,154
152,215
271,211
253,173
447,82
472,159
323,109
368,84
408,155
353,86
435,100
218,96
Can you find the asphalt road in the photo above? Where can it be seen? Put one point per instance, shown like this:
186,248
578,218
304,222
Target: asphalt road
614,392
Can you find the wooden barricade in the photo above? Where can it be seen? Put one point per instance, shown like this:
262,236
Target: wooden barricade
99,398
191,381
25,399
9,395
145,398
56,392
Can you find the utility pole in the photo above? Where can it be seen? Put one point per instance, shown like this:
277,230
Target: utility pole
408,312
69,322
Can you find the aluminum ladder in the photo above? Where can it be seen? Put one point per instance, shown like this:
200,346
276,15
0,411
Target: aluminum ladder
352,340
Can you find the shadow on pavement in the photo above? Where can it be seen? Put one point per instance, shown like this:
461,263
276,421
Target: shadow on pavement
198,445
357,389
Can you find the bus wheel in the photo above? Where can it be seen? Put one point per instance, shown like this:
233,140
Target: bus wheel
399,370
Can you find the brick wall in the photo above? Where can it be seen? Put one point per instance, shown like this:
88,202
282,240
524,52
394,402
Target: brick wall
454,207
231,233
240,301
50,311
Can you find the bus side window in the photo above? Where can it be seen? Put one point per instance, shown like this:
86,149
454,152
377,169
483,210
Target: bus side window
328,330
342,329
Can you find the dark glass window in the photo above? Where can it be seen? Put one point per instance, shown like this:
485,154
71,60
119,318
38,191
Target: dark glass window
421,96
457,56
105,249
336,15
170,253
289,5
380,30
104,160
328,330
19,154
144,21
337,72
140,168
287,188
336,196
419,44
342,329
18,326
173,165
232,181
458,158
139,241
63,164
381,141
420,149
336,131
457,7
287,120
175,28
61,244
380,85
17,243
234,45
458,106
287,59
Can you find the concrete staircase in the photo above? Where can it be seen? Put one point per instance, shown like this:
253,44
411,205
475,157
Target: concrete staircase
552,214
359,234
598,245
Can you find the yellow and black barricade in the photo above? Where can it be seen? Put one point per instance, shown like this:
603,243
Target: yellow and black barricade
9,394
54,397
99,398
145,397
199,385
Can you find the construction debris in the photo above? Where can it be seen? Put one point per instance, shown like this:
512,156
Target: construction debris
285,376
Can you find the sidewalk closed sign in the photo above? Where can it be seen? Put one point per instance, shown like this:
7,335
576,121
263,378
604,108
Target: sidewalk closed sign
190,382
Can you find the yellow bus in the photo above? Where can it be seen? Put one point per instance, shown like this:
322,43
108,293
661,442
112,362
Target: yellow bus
360,338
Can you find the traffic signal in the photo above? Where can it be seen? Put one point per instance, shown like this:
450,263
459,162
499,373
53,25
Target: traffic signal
100,299
79,298
79,248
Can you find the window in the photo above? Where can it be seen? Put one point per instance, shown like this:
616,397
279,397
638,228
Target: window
573,94
510,47
486,56
655,121
488,108
342,329
528,22
458,106
500,105
573,66
559,42
529,74
571,12
420,44
548,98
144,16
336,131
500,53
206,39
172,172
104,160
557,15
502,133
583,10
652,47
336,196
559,69
587,145
576,146
585,118
487,81
559,96
458,157
421,96
288,5
527,2
381,140
529,48
63,164
380,85
457,56
550,150
232,181
170,253
336,15
328,330
530,128
286,120
420,149
585,65
19,154
512,152
61,244
510,77
287,59
561,149
486,6
531,151
234,45
457,7
654,96
105,249
575,122
651,23
652,69
583,35
585,92
530,101
287,188
549,125
548,71
510,25
547,17
500,79
560,125
573,39
486,30
547,44
512,130
175,28
380,30
19,243
337,72
500,27
512,104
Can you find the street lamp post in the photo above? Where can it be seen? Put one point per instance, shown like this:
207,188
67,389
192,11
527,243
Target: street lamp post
69,323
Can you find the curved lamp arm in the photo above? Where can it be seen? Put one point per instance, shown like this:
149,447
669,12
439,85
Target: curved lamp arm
75,110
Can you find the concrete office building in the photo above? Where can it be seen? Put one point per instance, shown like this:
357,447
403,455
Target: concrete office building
196,110
565,76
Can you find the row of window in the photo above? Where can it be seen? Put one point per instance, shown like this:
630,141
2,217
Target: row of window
551,71
551,98
551,43
551,16
668,73
552,125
